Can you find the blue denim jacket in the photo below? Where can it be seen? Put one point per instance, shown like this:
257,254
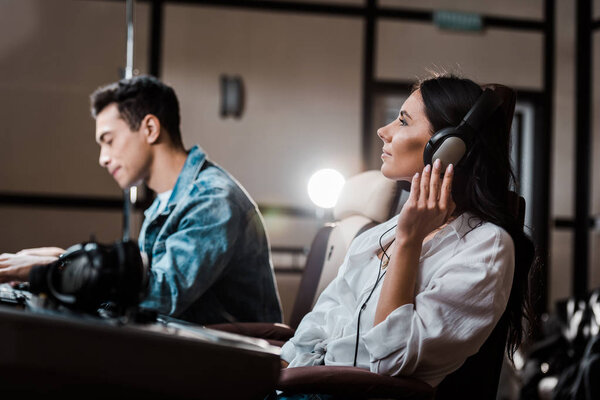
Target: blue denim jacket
208,250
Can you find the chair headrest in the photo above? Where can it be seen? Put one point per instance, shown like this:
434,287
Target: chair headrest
369,194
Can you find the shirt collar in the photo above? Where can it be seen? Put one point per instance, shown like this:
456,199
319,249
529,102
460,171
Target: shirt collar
191,168
193,164
459,227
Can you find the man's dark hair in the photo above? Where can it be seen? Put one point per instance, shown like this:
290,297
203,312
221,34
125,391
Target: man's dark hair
138,97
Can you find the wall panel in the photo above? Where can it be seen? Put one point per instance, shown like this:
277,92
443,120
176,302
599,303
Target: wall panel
52,56
507,8
302,81
561,273
594,271
329,2
25,227
406,49
563,146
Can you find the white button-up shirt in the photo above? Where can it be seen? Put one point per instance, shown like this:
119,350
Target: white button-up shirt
463,284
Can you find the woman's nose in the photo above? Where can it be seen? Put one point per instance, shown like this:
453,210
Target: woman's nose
382,133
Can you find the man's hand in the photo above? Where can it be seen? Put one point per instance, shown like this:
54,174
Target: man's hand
43,251
16,267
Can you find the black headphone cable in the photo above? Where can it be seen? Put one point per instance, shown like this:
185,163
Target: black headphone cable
379,277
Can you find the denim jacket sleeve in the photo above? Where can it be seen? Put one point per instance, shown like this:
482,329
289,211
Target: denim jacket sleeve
201,234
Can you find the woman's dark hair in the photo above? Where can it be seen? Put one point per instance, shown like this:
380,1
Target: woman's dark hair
137,97
482,181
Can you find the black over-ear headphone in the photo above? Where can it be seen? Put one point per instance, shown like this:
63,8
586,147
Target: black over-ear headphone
91,274
452,143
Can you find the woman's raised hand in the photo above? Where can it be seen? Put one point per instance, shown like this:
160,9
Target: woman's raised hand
429,205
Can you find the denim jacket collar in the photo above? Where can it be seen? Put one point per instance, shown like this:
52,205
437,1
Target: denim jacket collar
193,164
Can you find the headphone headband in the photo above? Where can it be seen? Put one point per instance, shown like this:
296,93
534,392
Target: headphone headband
450,144
487,103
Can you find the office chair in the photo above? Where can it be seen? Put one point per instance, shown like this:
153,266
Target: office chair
366,200
477,378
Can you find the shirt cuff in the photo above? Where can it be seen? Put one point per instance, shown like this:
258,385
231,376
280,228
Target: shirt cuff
288,351
389,335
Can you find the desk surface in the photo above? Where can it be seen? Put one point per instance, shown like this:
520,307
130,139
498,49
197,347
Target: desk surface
60,353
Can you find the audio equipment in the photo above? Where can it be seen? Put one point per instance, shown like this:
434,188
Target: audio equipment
450,144
90,275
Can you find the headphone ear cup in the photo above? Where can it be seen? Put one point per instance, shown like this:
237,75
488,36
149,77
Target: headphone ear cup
130,270
450,151
447,145
428,152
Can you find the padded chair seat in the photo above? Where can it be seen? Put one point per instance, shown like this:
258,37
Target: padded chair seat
351,382
276,334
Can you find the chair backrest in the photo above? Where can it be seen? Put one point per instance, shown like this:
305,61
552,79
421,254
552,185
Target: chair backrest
478,377
366,199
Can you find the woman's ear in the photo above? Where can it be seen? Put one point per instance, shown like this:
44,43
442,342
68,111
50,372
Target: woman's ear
151,128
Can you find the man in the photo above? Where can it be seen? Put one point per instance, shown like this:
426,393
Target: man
203,234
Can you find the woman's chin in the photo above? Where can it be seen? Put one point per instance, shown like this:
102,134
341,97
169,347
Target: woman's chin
385,171
394,175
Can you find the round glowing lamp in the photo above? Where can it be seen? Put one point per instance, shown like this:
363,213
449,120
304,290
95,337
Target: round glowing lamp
324,187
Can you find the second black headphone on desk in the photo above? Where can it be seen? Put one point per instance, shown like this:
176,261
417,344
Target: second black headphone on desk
90,275
450,144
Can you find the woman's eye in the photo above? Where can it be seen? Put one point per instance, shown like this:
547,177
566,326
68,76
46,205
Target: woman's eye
402,121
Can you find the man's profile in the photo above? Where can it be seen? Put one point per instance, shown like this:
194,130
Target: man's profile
203,235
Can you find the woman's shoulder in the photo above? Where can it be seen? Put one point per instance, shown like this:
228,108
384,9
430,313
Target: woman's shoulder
468,225
369,239
362,252
483,237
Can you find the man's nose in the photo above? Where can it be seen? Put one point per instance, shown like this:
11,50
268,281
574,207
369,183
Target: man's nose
104,159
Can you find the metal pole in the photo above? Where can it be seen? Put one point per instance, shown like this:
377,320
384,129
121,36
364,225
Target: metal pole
129,57
156,32
129,194
540,209
583,99
367,86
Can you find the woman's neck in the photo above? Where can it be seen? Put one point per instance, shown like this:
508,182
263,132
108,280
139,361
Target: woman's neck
430,236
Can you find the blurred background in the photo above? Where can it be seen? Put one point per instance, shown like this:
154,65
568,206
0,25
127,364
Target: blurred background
317,79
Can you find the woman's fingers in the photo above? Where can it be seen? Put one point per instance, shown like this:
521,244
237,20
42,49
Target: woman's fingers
425,185
414,188
429,204
446,192
434,184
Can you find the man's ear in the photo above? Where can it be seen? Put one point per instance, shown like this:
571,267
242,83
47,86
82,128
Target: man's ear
151,128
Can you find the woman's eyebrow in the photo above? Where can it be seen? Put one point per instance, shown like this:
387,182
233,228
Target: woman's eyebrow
405,114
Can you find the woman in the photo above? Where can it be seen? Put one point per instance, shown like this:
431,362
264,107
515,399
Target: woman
421,292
